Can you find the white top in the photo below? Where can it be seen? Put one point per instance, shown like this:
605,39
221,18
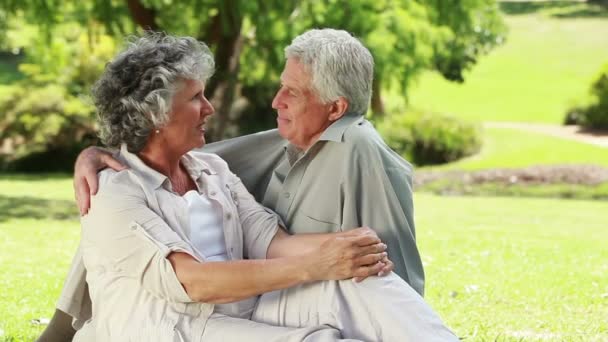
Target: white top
206,228
207,237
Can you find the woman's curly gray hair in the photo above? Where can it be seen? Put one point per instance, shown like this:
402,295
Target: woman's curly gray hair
133,95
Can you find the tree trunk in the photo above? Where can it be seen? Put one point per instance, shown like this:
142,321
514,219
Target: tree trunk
142,16
377,104
224,33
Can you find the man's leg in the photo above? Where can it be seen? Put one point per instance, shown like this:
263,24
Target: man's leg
377,309
59,329
229,329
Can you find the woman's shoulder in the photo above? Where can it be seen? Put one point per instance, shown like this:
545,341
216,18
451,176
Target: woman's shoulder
209,161
125,183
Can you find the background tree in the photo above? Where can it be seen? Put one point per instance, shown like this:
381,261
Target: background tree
248,37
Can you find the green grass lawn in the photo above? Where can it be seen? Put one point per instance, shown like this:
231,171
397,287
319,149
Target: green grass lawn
552,52
39,232
510,148
501,269
505,269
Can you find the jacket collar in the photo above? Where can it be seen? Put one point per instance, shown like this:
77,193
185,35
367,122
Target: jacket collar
335,132
155,179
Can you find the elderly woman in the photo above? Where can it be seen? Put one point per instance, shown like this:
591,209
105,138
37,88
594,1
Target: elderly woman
176,249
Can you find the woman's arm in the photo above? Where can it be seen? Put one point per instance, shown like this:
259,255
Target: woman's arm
223,282
125,236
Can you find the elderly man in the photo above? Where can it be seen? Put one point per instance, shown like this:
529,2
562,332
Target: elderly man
324,169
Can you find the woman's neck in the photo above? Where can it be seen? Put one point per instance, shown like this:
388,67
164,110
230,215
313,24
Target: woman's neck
168,163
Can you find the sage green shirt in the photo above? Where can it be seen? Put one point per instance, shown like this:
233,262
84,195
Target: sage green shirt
347,179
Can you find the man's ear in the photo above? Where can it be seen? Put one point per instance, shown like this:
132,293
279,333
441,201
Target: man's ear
338,108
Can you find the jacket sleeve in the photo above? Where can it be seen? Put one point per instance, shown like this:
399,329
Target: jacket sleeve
252,158
121,234
378,194
259,224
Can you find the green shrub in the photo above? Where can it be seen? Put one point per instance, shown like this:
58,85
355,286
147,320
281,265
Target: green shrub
595,113
430,138
575,116
47,114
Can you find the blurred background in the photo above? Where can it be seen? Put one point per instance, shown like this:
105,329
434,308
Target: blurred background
502,106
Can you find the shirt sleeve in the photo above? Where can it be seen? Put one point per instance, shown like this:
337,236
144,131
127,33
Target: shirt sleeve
123,235
378,194
259,224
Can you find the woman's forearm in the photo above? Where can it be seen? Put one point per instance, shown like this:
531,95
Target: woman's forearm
230,281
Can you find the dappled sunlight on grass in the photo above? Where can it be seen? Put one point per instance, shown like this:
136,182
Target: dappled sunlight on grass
35,208
504,267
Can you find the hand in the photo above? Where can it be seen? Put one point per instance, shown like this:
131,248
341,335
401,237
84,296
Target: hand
359,232
343,257
89,162
388,265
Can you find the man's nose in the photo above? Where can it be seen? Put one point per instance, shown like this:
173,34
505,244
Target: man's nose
277,102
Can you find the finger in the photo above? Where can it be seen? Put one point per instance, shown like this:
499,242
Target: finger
365,240
387,269
112,163
90,180
370,259
82,195
372,249
366,271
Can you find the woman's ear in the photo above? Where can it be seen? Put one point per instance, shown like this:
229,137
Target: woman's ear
337,109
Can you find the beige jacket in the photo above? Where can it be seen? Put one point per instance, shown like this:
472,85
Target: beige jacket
135,221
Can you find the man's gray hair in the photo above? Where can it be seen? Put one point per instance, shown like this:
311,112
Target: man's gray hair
339,64
133,95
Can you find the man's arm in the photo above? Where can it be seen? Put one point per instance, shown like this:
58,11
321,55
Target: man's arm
378,194
90,161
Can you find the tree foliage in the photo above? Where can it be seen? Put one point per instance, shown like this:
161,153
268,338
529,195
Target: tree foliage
248,37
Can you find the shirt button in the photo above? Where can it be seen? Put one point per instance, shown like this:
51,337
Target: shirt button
212,193
287,195
228,216
133,227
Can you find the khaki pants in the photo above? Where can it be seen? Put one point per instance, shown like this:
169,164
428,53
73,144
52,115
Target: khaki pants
377,309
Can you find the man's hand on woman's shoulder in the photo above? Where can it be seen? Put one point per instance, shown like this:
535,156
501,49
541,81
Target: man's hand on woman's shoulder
90,161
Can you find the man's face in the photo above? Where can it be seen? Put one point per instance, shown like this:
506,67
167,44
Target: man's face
302,118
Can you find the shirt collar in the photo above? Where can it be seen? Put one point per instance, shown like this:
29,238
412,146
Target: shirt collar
155,179
335,132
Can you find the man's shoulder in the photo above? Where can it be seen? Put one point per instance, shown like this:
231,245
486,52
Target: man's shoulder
363,142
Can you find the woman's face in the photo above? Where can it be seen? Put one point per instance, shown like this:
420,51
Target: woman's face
189,112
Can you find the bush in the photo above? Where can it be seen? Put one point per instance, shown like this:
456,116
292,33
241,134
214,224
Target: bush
575,116
595,113
47,113
431,138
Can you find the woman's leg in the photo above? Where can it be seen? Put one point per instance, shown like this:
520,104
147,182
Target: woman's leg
229,329
377,309
59,329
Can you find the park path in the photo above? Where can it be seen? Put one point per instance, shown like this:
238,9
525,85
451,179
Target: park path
574,132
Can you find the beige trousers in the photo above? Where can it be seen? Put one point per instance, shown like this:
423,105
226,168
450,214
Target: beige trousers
377,309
